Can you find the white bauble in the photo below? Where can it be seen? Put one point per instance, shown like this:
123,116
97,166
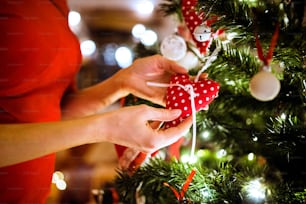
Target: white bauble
202,33
264,86
173,47
189,61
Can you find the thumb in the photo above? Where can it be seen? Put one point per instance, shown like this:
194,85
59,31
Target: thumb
160,114
173,134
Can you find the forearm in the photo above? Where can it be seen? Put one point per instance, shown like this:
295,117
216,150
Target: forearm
22,142
94,99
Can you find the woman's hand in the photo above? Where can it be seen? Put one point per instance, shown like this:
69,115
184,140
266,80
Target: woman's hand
154,68
132,80
135,127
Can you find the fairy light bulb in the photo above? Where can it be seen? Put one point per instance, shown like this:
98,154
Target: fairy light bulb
221,153
251,156
255,191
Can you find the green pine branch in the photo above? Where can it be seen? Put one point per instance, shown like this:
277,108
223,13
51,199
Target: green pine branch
226,184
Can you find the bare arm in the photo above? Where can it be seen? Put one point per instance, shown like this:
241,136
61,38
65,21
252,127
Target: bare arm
130,80
22,142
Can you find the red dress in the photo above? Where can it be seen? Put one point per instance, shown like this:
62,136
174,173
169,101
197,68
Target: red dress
39,59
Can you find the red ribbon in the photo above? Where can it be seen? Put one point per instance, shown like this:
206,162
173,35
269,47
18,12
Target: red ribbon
267,59
180,195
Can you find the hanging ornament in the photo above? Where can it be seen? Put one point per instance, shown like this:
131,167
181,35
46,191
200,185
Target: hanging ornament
206,91
190,94
264,86
198,25
189,61
173,47
202,33
193,18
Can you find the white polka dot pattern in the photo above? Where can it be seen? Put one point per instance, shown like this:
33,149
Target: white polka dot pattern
193,19
206,91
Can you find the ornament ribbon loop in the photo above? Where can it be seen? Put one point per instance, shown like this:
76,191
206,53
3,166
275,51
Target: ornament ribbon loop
267,59
187,182
188,88
180,196
210,60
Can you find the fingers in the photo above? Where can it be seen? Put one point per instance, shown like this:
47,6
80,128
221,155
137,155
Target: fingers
156,125
202,76
171,135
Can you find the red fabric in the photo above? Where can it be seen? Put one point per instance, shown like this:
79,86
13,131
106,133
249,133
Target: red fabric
193,19
206,90
39,58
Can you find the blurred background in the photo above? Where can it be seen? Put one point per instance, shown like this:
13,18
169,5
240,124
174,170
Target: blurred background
108,30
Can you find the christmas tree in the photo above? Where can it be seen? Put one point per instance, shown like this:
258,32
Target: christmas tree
250,142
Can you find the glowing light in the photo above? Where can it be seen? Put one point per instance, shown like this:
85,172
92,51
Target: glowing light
206,192
149,38
249,2
205,135
74,18
61,185
88,47
251,156
187,159
138,30
57,175
202,153
123,56
255,139
58,179
221,153
144,7
283,116
255,190
109,54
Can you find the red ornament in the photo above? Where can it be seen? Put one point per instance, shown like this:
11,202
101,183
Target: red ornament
193,18
205,90
177,98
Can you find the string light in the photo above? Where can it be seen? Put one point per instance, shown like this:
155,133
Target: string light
221,153
58,179
186,158
144,7
206,192
251,156
283,116
88,47
138,30
74,18
205,134
255,191
149,38
124,57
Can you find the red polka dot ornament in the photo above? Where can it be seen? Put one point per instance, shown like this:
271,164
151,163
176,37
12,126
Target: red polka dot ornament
197,24
193,19
179,95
